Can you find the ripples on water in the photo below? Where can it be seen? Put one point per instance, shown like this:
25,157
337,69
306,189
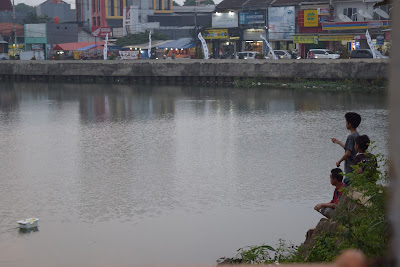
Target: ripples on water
123,174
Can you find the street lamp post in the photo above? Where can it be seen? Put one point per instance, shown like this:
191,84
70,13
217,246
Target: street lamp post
15,31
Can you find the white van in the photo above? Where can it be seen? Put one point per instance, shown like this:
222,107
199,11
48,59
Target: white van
322,54
247,55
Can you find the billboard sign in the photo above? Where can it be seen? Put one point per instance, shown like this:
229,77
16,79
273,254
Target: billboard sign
225,20
310,18
252,17
216,34
101,31
281,23
305,39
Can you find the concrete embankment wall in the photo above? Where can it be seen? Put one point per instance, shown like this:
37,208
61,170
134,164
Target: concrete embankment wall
195,70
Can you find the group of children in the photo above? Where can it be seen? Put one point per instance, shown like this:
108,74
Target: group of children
355,153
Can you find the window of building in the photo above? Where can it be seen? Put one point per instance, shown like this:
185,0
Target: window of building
94,22
93,6
159,4
151,5
98,6
167,5
98,21
351,13
87,4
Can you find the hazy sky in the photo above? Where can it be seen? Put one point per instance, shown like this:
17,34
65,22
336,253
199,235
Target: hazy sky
37,2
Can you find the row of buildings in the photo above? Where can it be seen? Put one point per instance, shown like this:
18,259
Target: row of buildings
229,27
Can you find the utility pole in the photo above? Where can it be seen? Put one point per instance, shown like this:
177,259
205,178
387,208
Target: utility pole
15,31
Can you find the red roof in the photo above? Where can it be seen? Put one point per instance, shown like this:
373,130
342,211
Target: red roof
7,28
5,5
75,46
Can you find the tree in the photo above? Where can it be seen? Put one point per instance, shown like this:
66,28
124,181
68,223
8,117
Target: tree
193,2
33,18
175,3
24,7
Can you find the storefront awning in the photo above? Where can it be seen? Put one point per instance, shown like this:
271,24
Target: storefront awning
76,46
182,43
88,47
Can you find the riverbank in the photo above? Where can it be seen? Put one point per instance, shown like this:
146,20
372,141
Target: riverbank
203,72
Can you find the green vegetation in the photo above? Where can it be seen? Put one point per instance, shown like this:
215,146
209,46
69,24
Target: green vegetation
193,2
24,7
360,222
33,18
175,3
351,86
140,38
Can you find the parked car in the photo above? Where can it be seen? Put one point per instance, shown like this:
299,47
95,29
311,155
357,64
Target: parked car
322,54
247,55
281,54
365,53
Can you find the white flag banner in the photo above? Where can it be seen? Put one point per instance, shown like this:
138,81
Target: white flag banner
371,45
269,47
105,47
204,45
149,52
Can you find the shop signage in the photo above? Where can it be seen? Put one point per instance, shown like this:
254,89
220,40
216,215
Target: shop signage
129,54
359,37
252,17
373,25
322,19
355,25
333,38
37,46
298,39
388,36
281,23
225,20
323,11
216,34
310,18
380,40
101,31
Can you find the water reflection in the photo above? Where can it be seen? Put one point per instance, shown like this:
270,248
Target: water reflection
104,102
23,231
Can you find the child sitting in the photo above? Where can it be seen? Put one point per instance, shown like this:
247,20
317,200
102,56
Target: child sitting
326,209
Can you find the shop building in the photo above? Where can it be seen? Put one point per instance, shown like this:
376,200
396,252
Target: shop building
110,13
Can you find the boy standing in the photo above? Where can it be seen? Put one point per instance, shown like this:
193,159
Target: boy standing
353,120
326,209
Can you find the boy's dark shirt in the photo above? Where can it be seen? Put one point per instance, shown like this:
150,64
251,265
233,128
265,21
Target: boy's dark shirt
349,145
365,158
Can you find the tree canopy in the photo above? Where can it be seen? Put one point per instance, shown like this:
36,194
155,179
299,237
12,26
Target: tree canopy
175,3
193,2
33,18
24,7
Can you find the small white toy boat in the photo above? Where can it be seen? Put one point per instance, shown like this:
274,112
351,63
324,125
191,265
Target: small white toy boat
28,223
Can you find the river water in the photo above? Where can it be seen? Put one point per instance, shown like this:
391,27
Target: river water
124,174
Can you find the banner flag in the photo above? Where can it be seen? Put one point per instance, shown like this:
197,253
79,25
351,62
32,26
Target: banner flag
204,45
105,48
269,46
371,45
149,52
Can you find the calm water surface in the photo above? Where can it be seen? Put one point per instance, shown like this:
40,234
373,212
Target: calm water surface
148,175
